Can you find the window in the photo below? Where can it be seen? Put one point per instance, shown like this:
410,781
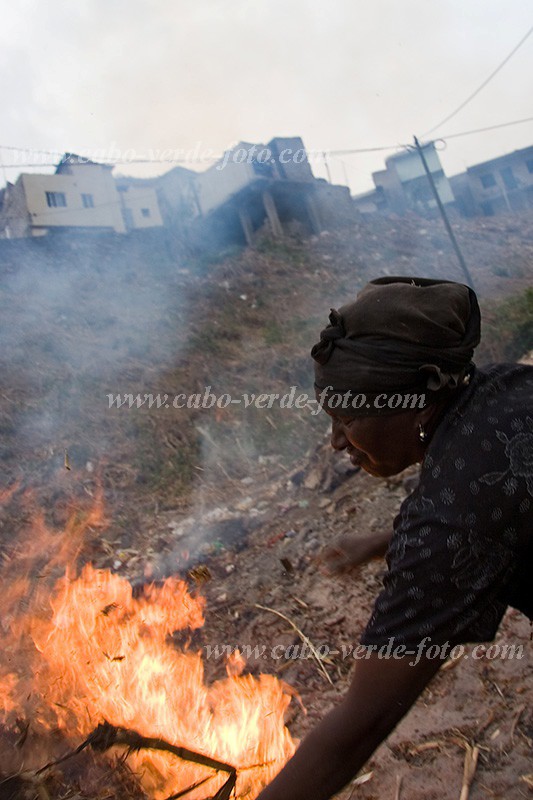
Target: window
87,200
145,212
508,178
488,180
56,199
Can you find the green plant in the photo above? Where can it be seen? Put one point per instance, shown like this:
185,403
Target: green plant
273,333
507,329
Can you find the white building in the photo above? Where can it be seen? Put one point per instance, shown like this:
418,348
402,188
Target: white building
81,195
404,186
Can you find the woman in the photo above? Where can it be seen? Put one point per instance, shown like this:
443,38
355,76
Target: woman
462,545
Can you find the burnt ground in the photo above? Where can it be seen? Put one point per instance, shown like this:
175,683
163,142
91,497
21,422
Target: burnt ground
249,496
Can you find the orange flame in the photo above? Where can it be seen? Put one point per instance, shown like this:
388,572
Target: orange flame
91,651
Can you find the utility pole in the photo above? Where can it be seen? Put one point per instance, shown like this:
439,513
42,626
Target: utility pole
326,164
458,253
346,179
3,167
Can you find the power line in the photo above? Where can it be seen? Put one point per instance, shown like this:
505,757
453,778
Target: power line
443,137
113,162
77,159
482,86
332,153
142,160
364,150
119,162
489,128
34,165
32,150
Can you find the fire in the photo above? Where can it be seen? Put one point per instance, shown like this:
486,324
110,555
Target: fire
88,650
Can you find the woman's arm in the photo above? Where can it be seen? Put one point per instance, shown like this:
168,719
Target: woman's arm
382,691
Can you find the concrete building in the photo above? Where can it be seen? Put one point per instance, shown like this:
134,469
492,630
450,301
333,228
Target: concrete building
253,185
404,186
370,202
502,184
175,191
80,196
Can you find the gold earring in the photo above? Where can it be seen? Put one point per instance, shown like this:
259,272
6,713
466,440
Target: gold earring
422,434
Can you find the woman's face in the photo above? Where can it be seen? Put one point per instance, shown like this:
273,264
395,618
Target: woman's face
381,445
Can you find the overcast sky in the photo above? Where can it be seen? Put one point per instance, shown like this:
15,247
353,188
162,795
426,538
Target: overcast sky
117,75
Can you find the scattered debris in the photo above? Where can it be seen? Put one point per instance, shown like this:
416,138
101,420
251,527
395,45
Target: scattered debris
303,637
471,757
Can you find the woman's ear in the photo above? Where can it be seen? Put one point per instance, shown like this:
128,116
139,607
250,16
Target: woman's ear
426,419
425,415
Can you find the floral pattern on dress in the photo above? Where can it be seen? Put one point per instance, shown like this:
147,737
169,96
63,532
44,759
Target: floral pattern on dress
519,451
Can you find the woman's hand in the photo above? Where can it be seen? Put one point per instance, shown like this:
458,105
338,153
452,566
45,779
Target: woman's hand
382,691
350,551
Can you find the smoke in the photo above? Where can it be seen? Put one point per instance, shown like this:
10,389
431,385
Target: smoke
81,317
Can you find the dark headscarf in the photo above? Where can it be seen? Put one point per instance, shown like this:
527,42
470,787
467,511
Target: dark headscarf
400,334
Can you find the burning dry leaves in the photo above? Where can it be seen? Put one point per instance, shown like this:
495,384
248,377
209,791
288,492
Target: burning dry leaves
89,648
200,574
93,779
38,783
106,736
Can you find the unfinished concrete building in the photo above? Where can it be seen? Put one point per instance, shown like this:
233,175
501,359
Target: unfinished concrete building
273,185
404,186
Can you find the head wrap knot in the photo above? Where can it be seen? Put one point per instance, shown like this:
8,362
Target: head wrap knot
322,351
400,334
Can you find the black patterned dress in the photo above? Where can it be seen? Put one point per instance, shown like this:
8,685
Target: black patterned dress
462,546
